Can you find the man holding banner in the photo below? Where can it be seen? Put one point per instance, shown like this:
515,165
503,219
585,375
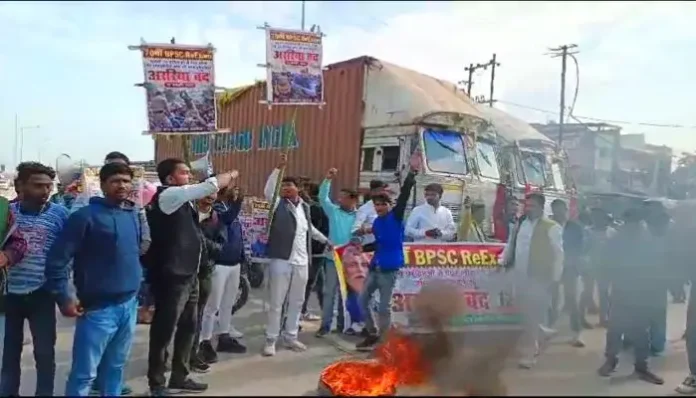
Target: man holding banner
289,247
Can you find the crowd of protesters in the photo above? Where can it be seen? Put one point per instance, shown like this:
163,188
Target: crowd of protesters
90,258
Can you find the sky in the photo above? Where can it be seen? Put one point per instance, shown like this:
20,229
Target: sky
66,68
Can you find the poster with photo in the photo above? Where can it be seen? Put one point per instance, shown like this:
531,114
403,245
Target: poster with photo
180,86
294,67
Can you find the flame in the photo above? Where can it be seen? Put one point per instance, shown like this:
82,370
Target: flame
354,378
398,362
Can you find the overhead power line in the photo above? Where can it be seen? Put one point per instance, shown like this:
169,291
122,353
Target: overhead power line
596,119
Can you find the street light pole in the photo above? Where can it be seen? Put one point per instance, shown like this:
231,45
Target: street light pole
21,139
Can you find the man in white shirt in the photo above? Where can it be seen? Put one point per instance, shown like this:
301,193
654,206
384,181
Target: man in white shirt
366,213
289,250
534,254
431,222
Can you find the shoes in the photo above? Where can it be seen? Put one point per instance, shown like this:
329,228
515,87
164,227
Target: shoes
198,365
321,333
188,385
159,392
309,317
608,367
207,353
226,343
577,342
368,344
586,325
527,363
645,374
269,348
294,344
688,386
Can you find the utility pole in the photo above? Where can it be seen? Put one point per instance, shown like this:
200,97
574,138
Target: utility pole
16,140
303,14
563,52
473,68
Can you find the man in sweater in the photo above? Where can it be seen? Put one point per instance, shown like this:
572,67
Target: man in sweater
289,250
534,253
388,230
431,222
315,282
341,218
102,240
40,222
225,282
172,262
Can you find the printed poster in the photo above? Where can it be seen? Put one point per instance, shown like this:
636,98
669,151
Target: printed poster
294,62
471,266
180,85
254,220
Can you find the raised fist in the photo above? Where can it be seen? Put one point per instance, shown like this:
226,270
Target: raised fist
331,173
283,160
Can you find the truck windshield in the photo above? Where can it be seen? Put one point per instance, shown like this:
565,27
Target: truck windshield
534,166
486,160
444,151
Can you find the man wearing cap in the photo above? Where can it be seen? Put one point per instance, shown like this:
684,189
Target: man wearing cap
470,226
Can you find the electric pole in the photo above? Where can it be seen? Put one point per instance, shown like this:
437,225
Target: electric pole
473,68
303,14
563,52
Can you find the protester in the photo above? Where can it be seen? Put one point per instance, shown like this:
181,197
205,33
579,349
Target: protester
534,253
470,225
341,218
599,234
225,282
388,259
13,246
659,224
634,296
315,281
39,222
172,266
214,238
366,213
431,222
573,265
289,247
102,240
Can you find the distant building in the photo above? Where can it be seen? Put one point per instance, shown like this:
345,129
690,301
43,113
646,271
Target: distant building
593,153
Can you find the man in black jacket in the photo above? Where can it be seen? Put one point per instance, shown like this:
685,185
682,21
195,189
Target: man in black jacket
214,238
172,262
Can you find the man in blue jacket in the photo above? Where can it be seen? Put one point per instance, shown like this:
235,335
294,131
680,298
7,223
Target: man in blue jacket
341,218
103,242
388,229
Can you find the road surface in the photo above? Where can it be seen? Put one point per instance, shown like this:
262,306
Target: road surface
562,370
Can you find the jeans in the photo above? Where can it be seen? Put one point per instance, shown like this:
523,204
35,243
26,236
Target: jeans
223,294
691,332
286,282
315,282
2,337
176,301
102,342
382,281
331,290
658,327
39,308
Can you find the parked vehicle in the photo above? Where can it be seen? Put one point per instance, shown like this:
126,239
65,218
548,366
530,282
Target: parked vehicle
244,288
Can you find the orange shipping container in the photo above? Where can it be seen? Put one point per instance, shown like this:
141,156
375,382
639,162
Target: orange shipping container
325,138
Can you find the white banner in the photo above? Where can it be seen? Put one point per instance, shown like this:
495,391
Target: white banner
294,67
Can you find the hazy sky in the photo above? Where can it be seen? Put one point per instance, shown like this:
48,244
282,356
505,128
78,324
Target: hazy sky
66,66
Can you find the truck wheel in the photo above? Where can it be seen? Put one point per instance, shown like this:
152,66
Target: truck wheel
242,295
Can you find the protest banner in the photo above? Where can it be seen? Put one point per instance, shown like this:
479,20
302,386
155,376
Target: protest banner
294,67
472,266
254,220
180,86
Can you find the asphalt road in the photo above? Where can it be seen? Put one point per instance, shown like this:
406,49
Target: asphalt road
562,370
